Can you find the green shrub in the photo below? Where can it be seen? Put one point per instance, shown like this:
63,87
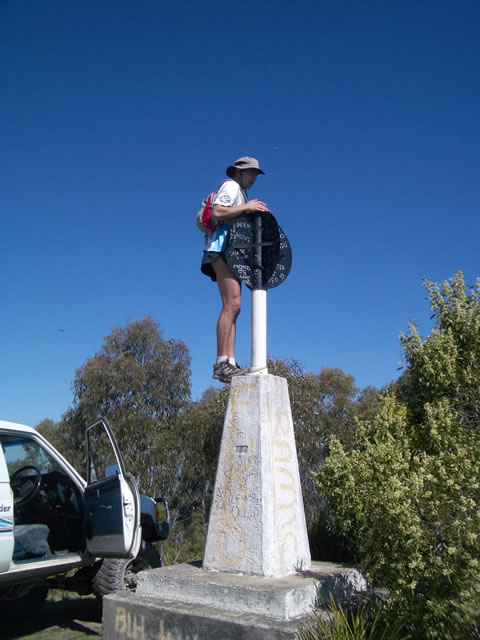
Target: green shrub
408,491
335,623
415,515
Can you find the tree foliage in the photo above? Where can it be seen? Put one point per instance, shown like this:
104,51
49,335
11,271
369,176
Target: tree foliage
198,428
407,491
447,363
203,421
49,430
139,381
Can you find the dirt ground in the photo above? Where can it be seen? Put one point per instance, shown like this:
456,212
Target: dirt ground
63,617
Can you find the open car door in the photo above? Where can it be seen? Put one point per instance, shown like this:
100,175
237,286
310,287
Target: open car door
112,503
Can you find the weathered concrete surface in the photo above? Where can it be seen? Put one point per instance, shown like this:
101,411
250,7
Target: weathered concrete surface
183,602
281,598
257,521
131,617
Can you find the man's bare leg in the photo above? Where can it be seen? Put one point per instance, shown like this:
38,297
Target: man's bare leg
230,293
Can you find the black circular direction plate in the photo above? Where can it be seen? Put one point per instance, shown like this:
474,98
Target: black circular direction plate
276,251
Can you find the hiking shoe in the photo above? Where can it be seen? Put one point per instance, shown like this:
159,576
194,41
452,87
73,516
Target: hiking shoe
239,371
224,371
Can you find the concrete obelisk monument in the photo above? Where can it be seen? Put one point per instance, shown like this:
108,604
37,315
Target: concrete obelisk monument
257,523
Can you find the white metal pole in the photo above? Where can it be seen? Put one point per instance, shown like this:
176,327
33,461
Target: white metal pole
259,331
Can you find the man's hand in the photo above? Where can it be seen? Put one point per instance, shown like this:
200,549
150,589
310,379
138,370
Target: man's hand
257,206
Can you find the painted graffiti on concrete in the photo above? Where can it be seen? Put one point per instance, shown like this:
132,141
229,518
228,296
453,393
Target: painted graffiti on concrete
132,626
286,490
230,535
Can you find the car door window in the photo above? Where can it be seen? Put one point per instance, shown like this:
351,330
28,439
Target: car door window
101,453
112,501
44,494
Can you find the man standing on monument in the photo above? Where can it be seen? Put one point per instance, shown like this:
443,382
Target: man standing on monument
230,202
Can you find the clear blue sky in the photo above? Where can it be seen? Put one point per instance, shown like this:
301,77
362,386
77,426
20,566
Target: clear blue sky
118,116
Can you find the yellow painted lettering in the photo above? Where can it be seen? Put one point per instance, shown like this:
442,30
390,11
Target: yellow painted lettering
120,620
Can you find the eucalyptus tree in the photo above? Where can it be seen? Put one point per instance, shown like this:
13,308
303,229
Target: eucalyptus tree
139,381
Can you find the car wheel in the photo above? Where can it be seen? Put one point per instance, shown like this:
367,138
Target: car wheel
116,574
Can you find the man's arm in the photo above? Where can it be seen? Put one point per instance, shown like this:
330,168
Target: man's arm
219,212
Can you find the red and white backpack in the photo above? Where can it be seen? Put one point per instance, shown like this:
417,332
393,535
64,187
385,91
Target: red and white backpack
204,219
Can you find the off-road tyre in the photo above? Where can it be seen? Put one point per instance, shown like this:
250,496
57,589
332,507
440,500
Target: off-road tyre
116,574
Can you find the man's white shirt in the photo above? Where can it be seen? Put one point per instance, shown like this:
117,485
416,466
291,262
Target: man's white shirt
230,194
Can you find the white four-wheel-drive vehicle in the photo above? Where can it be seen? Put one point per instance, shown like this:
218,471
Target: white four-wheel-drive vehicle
59,531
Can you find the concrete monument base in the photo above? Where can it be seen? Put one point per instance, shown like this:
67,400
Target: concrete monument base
257,581
184,602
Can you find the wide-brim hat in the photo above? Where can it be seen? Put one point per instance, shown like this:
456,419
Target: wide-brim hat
243,163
